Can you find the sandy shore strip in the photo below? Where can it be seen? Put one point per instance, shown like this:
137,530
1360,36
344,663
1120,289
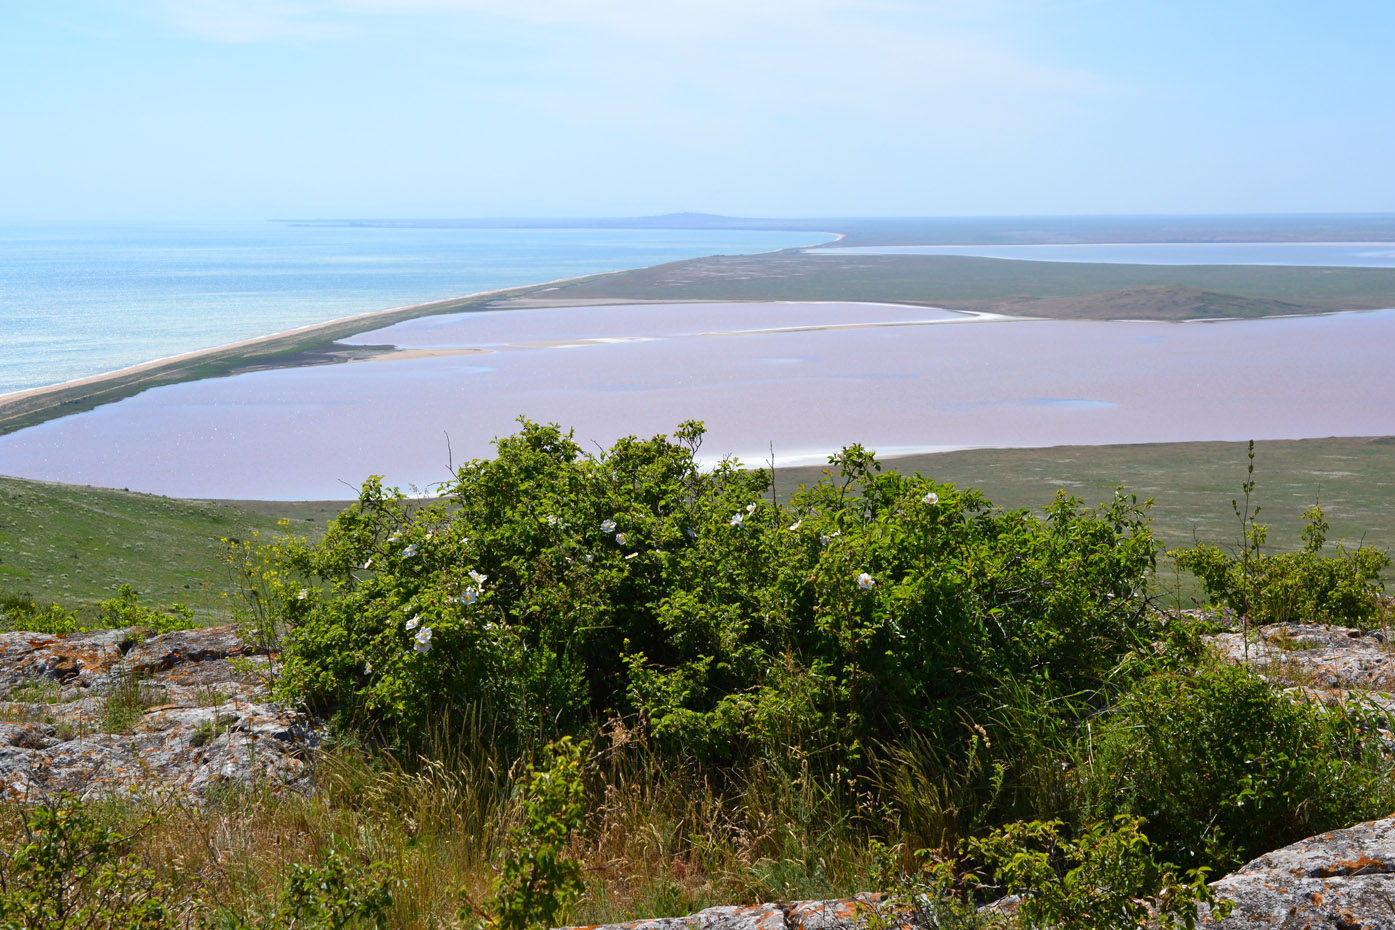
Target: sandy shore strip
304,345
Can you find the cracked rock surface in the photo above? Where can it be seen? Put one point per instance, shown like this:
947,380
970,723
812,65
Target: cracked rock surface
843,914
1330,664
122,712
1343,880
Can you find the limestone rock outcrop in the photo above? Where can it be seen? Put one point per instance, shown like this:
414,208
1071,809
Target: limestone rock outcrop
1342,880
841,914
1314,656
123,712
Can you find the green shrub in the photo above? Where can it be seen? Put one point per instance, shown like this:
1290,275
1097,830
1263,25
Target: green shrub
337,895
930,895
550,588
125,611
1305,586
538,879
21,612
1103,879
68,872
1219,757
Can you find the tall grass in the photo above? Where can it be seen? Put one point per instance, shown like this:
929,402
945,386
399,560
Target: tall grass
662,839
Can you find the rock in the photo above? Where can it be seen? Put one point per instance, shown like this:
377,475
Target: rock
753,917
1314,655
117,712
839,914
832,915
1328,664
29,657
1343,880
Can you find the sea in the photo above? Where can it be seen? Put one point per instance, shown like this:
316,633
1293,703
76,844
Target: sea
84,299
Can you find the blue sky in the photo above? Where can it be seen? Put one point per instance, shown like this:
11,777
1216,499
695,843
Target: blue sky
198,109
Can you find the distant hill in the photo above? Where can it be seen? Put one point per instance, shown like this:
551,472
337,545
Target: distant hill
959,230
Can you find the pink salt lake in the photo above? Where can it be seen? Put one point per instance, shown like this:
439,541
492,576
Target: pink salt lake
806,378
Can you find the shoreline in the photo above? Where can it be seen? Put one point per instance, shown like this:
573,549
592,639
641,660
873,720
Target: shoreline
32,406
310,331
291,348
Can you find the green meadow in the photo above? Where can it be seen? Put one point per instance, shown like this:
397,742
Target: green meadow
1192,484
1059,290
77,545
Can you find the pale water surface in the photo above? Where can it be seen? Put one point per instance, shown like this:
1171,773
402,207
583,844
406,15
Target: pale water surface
806,378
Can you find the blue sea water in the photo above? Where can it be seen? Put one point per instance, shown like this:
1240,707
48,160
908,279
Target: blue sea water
82,299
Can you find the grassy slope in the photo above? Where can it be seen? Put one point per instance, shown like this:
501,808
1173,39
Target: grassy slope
1006,230
1096,291
76,545
1192,484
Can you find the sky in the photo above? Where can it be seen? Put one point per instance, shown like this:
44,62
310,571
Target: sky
254,109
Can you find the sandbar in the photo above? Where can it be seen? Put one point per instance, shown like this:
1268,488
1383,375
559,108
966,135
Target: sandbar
302,346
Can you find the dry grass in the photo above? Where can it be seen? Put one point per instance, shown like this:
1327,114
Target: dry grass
660,841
